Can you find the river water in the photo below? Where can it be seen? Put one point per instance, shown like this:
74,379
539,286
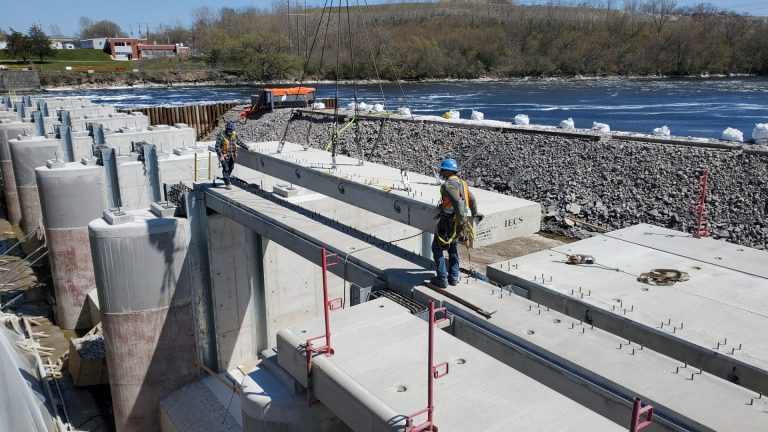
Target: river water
689,107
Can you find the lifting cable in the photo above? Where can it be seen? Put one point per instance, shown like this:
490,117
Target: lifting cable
304,72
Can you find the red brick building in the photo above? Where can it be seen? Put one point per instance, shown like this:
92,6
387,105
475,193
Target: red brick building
136,49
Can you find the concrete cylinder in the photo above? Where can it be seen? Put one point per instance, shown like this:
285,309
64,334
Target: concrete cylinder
28,153
10,131
71,195
144,288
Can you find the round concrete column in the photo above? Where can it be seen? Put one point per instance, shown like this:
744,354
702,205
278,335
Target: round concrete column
28,153
9,131
71,195
145,296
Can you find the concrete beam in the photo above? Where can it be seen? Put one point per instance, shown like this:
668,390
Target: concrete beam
377,377
709,321
377,188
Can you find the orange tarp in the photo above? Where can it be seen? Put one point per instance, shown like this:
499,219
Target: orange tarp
291,91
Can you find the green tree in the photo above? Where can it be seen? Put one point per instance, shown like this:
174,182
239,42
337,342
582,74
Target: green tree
18,45
39,43
99,29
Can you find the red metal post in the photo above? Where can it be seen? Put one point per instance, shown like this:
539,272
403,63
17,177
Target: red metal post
637,411
433,373
702,226
328,306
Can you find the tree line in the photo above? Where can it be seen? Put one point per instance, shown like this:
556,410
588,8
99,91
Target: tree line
452,39
26,46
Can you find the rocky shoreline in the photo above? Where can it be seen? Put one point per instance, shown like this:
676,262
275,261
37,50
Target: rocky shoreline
611,184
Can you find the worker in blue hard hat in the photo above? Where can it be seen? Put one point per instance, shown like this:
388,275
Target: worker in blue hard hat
227,143
457,208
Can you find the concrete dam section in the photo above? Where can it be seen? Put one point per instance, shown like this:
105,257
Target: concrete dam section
299,298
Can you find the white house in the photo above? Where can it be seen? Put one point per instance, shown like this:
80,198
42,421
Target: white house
96,43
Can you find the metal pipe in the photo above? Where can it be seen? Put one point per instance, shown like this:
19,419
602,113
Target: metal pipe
326,303
19,242
18,264
195,176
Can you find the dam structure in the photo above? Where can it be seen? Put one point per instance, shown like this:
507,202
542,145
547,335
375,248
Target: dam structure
298,300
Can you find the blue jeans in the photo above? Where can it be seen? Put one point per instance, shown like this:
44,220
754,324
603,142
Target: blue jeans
227,165
452,270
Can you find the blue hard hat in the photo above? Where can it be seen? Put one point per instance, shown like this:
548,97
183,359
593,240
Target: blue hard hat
449,165
230,125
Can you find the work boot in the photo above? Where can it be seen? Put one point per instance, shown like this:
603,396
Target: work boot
438,282
453,281
228,187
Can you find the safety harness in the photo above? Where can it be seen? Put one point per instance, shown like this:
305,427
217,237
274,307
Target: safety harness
447,207
229,144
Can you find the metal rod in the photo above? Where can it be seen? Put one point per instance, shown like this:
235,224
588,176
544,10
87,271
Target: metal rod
326,303
195,167
19,263
18,242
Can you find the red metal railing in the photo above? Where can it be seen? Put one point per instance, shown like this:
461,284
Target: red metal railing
434,371
637,411
328,306
702,226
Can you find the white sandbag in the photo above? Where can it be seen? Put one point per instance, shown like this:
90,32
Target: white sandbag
377,108
318,106
404,111
567,124
363,107
662,131
760,133
477,115
522,120
732,134
452,115
351,106
601,127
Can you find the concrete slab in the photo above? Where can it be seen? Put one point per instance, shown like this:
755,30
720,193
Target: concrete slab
588,366
377,377
710,321
378,188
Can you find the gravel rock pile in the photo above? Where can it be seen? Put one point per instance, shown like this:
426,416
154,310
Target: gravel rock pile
90,346
611,184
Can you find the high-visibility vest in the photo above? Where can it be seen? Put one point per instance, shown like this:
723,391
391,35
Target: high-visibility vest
446,204
229,144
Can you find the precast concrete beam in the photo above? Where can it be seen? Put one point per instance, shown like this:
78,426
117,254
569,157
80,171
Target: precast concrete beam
378,189
296,235
377,376
711,321
583,362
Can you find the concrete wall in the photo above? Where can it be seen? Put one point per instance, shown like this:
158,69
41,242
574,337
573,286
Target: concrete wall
166,138
18,80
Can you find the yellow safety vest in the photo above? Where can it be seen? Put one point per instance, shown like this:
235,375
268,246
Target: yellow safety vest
464,189
227,145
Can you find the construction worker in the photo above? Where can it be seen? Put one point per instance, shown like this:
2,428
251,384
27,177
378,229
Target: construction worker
453,223
227,143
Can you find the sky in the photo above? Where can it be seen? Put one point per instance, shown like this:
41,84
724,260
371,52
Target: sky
21,14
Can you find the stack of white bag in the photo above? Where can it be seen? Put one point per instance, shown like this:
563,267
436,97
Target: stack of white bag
521,120
567,124
361,107
318,106
404,111
760,133
600,127
732,134
662,131
477,115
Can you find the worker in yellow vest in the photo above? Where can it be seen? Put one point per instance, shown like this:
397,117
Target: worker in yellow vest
454,223
227,143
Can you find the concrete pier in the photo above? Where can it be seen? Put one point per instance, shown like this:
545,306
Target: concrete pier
11,130
28,153
71,195
143,282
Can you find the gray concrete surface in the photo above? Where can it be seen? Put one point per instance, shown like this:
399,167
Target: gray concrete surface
377,377
377,188
709,321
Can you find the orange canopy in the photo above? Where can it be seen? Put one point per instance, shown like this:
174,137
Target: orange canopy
291,91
